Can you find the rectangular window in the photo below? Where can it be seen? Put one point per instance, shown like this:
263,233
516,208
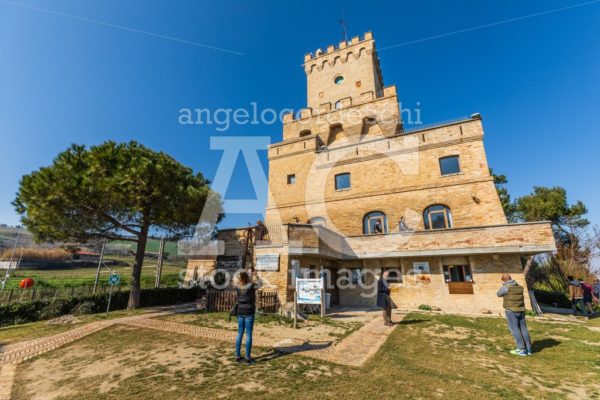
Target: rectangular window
356,276
342,181
449,165
394,275
458,273
438,219
291,179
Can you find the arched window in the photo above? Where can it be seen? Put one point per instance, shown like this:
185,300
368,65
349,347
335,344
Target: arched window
305,132
317,221
338,105
375,222
437,217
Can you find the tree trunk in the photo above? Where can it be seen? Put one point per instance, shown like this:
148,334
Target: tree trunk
526,270
529,282
136,272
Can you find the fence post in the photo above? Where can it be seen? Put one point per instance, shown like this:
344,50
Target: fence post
10,295
32,294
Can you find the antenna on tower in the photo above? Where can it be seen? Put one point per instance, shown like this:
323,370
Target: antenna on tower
343,23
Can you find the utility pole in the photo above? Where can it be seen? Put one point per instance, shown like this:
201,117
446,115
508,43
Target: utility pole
161,250
12,256
99,266
20,257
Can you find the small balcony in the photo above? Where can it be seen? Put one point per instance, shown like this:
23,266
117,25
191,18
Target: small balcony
523,238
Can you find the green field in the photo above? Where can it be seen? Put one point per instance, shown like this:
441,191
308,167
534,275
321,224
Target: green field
75,277
67,276
151,246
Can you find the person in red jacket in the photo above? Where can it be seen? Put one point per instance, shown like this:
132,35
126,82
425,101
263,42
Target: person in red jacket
588,297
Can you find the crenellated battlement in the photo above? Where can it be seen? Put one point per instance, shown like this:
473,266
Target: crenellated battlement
343,72
342,45
348,102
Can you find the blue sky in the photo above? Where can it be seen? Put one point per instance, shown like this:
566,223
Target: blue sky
71,73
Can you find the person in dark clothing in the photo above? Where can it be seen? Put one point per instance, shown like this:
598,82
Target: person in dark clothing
378,228
588,297
576,295
383,298
514,307
246,308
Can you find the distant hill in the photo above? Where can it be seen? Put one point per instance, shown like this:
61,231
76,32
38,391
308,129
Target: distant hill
8,235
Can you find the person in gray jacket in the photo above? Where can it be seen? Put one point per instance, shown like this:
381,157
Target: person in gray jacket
514,308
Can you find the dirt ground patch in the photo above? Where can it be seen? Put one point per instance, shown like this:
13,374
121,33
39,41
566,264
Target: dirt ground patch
440,356
119,360
315,329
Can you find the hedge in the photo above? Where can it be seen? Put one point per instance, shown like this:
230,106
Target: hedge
558,299
18,313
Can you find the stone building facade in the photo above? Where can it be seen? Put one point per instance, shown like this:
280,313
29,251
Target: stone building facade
352,193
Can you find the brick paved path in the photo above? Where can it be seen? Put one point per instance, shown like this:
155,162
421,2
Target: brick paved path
7,377
354,350
194,330
13,354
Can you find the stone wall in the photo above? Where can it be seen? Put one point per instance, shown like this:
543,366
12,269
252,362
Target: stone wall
199,269
487,271
356,60
411,293
399,176
276,280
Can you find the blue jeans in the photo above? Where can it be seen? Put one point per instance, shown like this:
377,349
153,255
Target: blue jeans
518,328
245,322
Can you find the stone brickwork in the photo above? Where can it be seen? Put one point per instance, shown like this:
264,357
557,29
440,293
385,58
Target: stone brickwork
394,171
384,119
276,280
399,176
354,61
199,269
486,269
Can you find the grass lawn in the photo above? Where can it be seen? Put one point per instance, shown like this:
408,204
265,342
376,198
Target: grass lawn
427,356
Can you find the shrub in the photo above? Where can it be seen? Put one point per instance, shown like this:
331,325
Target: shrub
38,254
46,309
555,299
424,307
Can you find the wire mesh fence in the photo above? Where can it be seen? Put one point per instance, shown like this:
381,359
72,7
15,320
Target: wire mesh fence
11,296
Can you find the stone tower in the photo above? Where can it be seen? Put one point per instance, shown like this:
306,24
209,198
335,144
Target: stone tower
341,75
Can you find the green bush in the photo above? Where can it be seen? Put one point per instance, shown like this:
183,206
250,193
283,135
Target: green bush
46,309
424,307
554,299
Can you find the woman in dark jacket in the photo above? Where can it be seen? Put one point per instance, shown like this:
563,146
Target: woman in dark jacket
246,308
383,298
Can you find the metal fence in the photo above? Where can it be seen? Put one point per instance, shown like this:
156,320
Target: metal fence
9,296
